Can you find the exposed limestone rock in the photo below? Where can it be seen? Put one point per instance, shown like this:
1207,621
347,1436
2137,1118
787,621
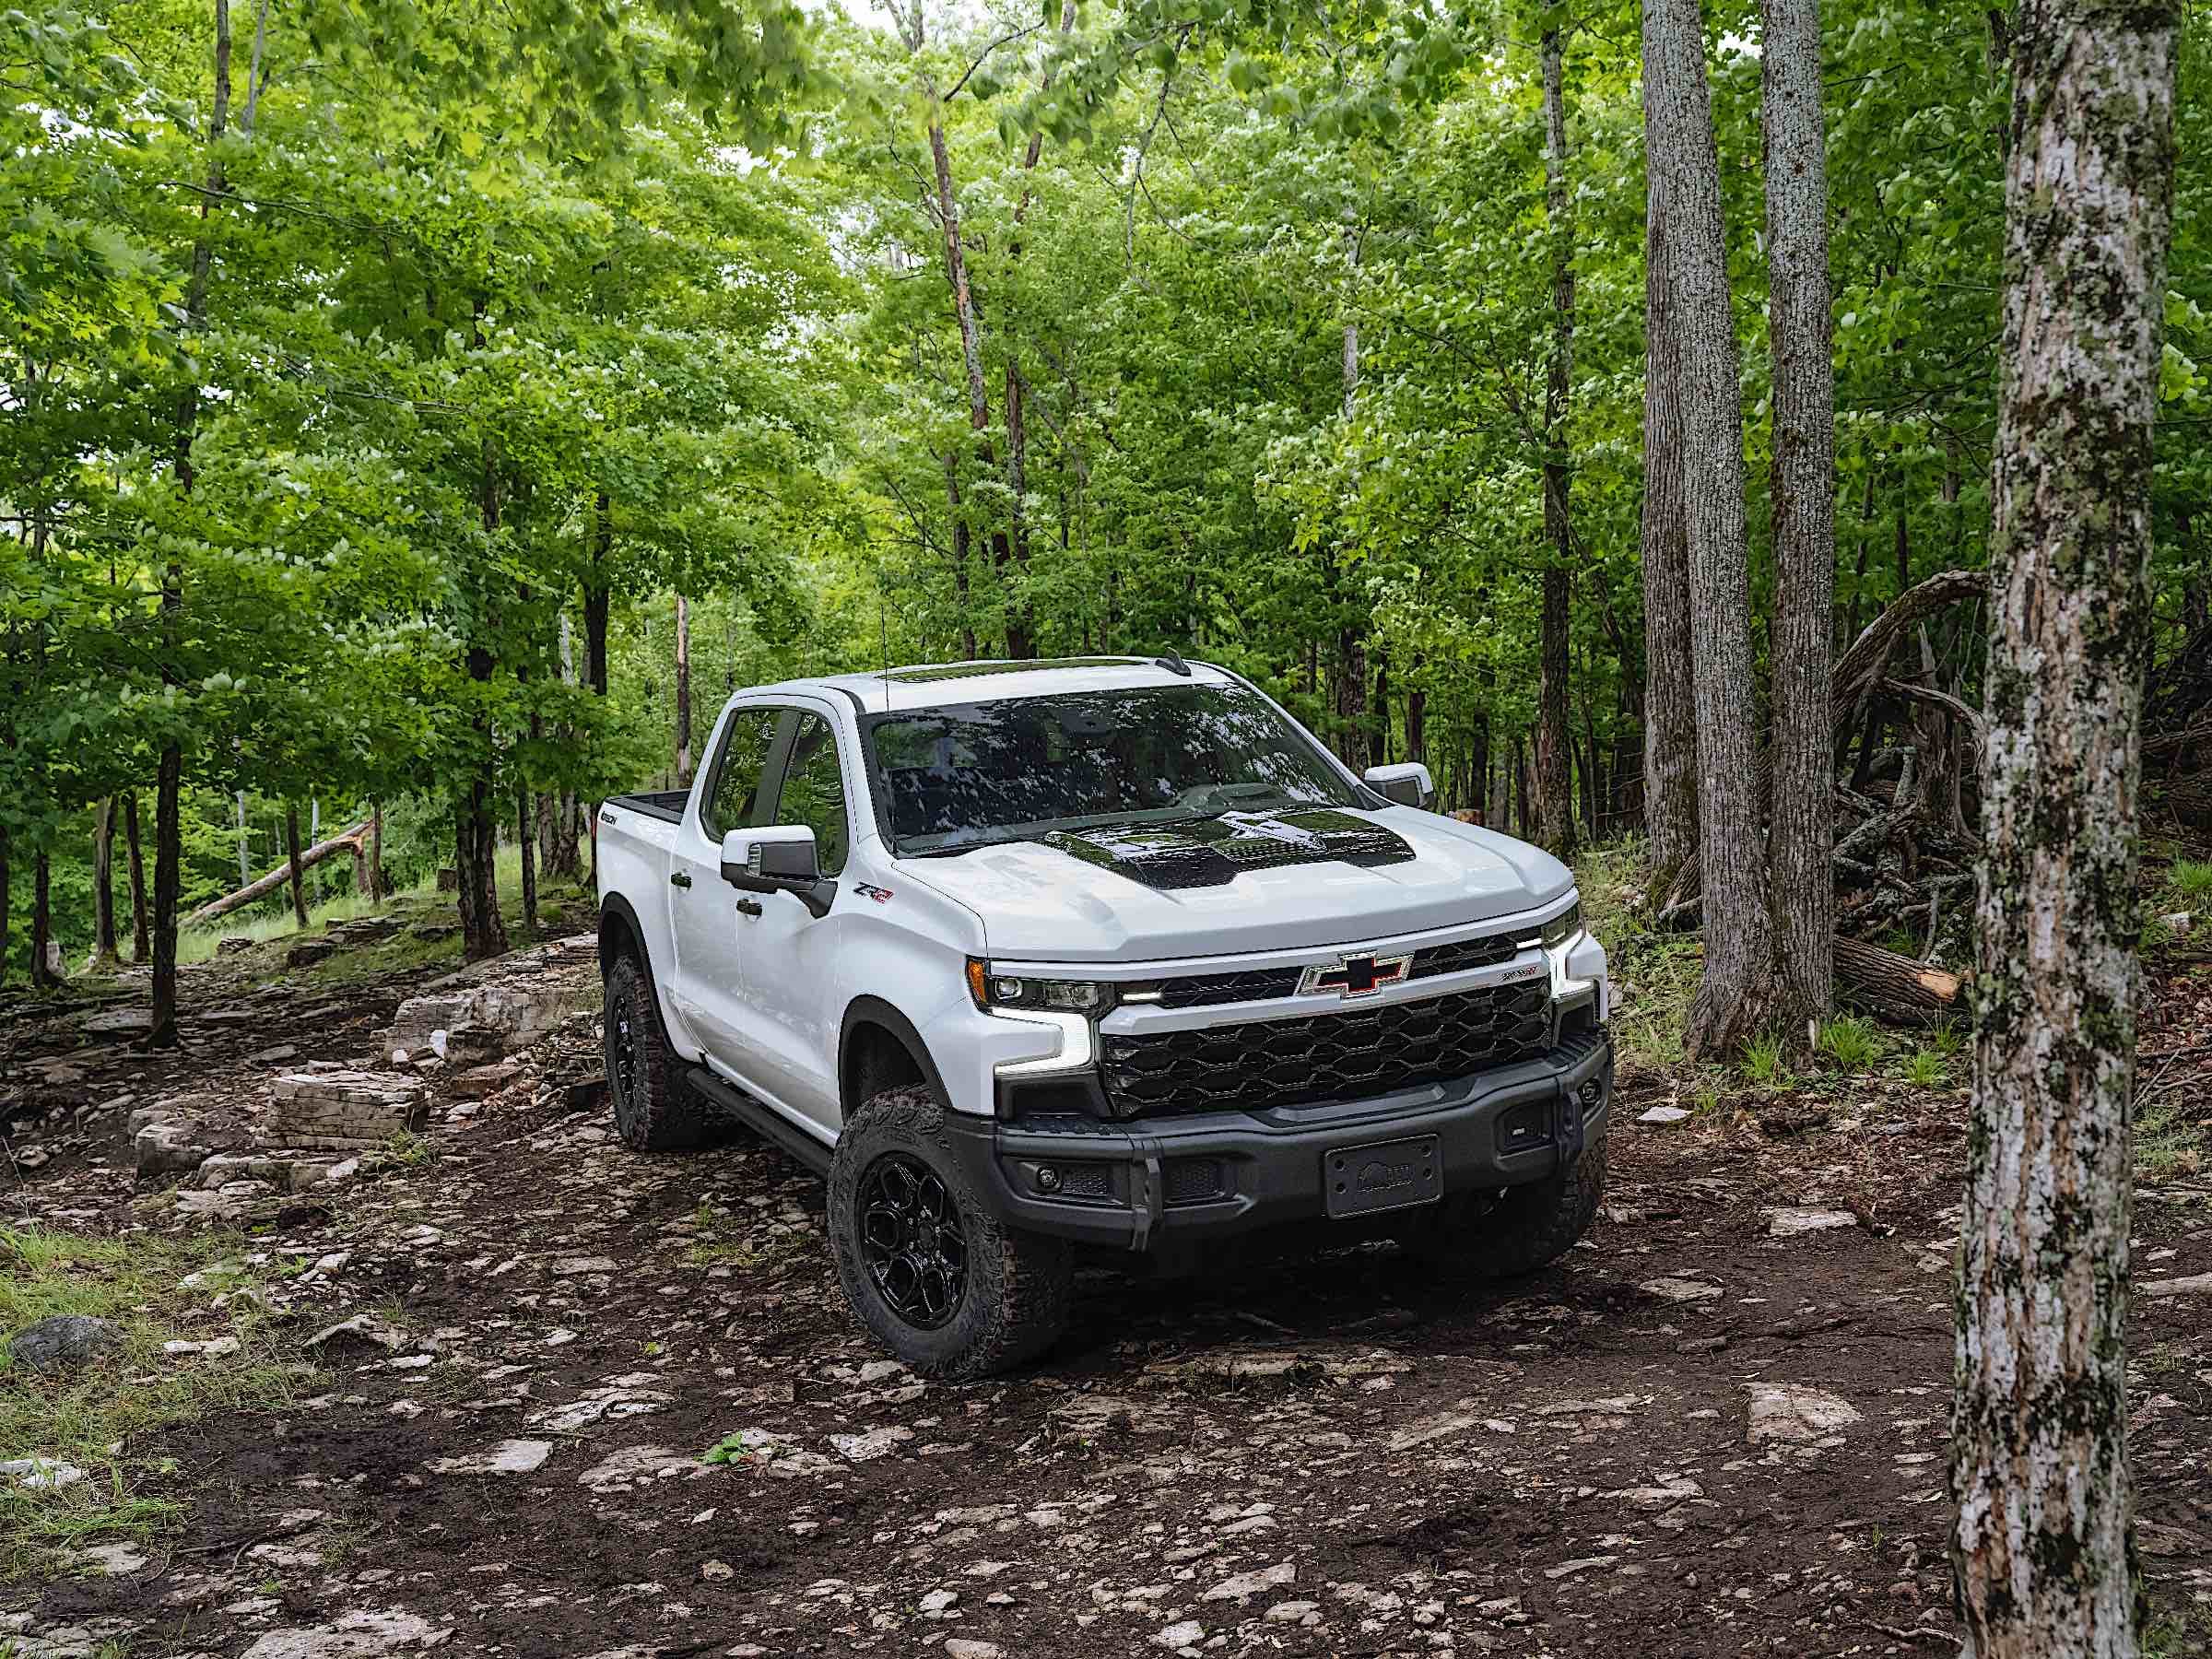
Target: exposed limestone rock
328,1105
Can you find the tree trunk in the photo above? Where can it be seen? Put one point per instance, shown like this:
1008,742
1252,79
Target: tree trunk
1737,996
8,942
1802,497
1416,722
1555,782
292,863
1378,716
105,957
379,889
1670,729
169,771
527,840
141,945
41,922
276,877
2043,1546
1892,985
245,856
683,692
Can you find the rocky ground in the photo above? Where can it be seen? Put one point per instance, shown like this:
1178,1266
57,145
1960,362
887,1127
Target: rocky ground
568,1400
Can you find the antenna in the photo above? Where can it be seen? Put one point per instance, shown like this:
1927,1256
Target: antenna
1172,662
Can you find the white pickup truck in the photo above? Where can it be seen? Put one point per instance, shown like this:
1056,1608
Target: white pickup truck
1111,953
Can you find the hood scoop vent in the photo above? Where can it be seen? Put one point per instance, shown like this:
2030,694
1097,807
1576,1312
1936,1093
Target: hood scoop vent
1214,852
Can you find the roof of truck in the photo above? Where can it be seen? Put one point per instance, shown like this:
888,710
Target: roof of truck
938,685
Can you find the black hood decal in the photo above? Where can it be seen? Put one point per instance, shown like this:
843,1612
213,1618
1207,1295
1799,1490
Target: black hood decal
1213,852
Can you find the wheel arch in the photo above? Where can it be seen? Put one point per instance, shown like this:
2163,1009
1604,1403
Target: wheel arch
878,1048
621,933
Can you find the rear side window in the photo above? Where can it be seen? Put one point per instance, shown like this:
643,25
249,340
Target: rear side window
814,792
735,787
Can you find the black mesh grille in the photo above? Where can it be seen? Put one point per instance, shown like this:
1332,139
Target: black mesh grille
1193,1180
1256,985
1461,955
1200,990
1328,1056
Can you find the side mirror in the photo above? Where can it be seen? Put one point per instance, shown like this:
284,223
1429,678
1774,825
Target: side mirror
780,858
1408,783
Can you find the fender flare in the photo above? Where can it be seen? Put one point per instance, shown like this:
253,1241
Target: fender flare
874,1011
619,923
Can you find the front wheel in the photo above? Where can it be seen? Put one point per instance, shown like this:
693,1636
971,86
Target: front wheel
942,1284
1519,1230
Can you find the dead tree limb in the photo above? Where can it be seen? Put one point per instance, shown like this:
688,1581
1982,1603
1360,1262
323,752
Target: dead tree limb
1893,986
277,877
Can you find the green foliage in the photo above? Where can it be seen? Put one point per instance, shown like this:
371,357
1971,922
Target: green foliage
1850,1043
1765,1061
2190,881
1928,1069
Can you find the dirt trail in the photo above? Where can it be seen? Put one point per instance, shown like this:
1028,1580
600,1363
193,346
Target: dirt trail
1718,1427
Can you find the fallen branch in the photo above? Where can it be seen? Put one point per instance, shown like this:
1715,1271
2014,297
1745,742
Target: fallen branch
277,877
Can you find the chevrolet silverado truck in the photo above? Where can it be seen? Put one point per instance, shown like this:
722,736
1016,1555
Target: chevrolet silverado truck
1036,959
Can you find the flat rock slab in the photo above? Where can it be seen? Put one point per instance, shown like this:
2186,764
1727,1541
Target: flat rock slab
328,1105
508,1014
1671,1288
169,1148
509,1457
1787,1223
1664,1115
1792,1412
2197,1285
362,1633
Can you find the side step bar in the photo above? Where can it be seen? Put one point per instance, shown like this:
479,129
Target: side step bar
764,1120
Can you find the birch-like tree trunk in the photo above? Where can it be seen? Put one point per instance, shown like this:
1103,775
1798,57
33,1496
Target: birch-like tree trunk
2041,1542
683,692
292,864
104,956
141,942
1737,996
1802,497
1670,722
1555,777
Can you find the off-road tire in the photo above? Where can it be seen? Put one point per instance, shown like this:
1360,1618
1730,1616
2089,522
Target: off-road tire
1503,1235
655,1110
1018,1284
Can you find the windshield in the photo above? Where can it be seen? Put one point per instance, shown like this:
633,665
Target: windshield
1014,769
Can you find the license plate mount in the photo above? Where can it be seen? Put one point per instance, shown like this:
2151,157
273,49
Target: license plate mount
1382,1175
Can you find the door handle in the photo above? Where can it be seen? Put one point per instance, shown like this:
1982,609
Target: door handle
679,880
748,907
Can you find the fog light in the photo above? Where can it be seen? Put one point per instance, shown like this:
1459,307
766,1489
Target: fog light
1592,1092
1048,1179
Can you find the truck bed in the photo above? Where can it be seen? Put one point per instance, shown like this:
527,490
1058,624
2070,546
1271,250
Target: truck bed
667,803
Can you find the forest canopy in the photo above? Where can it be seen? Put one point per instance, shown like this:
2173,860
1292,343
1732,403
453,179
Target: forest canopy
428,413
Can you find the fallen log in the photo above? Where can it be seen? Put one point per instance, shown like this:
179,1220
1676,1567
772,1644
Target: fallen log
277,877
1862,664
1893,986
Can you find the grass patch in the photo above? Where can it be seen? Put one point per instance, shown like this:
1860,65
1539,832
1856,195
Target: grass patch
2190,880
1764,1062
1928,1069
1850,1043
2170,1145
106,1417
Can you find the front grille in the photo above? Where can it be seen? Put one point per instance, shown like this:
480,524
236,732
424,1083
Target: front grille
1201,990
1258,985
1333,1056
1461,955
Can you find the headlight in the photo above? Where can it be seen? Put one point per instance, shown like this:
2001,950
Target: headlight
1563,926
1019,992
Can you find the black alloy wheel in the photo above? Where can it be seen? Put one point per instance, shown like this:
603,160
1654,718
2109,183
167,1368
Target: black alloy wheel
913,1241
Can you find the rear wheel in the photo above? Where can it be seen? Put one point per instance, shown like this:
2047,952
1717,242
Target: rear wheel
942,1283
1519,1230
654,1110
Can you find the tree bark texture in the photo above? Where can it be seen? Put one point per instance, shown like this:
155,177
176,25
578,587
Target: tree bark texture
1802,492
683,692
1670,720
292,865
104,955
141,945
1737,996
1555,785
42,922
525,836
2041,1545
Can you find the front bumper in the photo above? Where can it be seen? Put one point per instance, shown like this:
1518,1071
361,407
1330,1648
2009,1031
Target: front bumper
1147,1183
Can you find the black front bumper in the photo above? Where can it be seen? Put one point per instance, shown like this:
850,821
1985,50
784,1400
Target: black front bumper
1147,1182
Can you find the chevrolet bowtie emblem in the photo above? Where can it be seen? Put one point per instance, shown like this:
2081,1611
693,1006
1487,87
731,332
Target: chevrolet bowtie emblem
1354,975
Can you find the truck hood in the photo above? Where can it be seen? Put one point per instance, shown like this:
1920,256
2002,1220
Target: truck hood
1245,882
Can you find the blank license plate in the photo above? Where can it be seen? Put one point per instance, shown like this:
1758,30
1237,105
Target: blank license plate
1382,1176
